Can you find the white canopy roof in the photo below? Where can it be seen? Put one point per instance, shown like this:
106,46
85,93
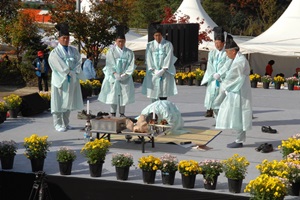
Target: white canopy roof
282,38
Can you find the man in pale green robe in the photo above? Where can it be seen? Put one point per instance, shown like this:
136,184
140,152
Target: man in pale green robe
159,82
65,62
236,109
117,87
217,66
166,110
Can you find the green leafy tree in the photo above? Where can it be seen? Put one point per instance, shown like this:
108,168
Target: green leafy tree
92,28
145,11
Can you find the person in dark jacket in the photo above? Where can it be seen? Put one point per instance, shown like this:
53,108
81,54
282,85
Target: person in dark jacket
41,67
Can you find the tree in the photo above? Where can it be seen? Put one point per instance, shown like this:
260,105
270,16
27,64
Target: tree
94,29
145,11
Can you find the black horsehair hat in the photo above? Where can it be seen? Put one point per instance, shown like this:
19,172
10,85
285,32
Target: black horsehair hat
219,33
156,27
121,30
63,29
230,43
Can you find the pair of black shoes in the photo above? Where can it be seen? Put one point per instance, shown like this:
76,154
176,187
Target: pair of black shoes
268,129
265,148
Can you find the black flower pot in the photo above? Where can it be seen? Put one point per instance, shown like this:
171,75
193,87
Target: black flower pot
254,84
266,85
96,169
210,184
188,181
290,86
65,168
122,173
149,177
295,188
7,162
3,115
277,86
168,177
235,185
37,164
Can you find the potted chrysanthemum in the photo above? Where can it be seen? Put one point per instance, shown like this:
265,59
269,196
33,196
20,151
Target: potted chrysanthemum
122,163
95,152
292,144
235,169
211,169
13,103
8,151
188,170
278,80
267,187
36,149
254,78
169,166
65,157
3,110
291,81
266,81
149,165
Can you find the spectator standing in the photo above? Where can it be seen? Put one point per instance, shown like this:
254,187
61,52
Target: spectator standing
65,62
269,68
88,68
41,67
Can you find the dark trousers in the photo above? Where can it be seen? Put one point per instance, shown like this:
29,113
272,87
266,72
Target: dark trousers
44,78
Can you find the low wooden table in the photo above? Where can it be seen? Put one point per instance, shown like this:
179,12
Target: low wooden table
141,136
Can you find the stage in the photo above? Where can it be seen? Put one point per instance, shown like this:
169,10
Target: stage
281,113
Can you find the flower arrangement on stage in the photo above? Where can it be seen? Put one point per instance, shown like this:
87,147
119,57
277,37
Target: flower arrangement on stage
149,163
45,95
294,171
169,163
13,101
189,167
266,79
235,167
86,84
267,187
289,146
211,169
3,106
292,80
274,168
135,75
8,148
191,75
65,154
36,147
278,79
181,75
95,151
122,160
96,84
199,74
141,74
254,77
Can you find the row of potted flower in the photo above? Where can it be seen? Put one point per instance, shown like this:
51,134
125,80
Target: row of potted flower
276,79
13,102
276,177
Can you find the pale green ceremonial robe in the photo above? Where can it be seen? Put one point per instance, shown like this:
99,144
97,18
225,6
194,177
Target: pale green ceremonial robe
216,64
160,57
113,91
65,91
236,109
167,110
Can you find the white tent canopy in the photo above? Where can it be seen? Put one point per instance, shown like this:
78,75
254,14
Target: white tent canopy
281,43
